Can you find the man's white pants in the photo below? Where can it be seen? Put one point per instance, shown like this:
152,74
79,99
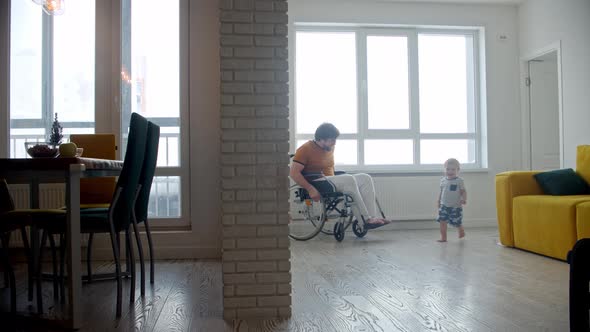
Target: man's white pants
361,188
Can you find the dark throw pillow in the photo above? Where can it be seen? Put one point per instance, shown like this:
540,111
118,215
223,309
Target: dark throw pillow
562,182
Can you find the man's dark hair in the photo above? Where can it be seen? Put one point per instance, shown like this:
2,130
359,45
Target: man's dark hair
326,131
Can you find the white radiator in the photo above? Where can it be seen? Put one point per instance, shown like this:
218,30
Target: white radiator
408,198
51,196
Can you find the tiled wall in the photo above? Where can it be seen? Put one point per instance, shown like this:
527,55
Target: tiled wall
255,146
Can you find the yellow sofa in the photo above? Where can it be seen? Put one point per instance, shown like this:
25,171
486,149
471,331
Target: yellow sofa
544,224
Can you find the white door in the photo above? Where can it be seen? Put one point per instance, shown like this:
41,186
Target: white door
544,112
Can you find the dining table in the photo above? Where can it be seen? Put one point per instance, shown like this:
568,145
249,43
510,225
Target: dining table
33,171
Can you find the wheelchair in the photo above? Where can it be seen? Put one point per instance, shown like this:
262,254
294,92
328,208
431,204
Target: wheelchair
309,218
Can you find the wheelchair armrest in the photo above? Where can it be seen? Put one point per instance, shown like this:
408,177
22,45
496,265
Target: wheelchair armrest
332,195
303,194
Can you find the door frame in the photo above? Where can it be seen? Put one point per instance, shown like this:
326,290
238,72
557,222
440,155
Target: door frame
526,145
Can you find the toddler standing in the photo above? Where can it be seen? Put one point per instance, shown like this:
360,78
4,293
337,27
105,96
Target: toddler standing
451,198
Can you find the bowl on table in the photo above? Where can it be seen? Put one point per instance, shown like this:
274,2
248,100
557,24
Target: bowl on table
41,150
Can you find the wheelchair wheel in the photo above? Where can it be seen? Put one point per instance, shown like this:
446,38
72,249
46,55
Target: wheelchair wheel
356,229
339,231
307,216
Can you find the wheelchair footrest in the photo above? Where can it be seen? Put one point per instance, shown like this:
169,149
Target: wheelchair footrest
373,226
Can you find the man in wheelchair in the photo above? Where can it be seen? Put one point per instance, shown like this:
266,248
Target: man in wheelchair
313,169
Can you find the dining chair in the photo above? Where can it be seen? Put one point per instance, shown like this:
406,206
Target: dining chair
95,192
117,217
140,212
6,229
12,219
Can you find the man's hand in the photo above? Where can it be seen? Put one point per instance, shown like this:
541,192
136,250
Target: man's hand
463,201
314,194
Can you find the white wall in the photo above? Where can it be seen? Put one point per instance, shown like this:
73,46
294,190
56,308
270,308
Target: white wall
502,72
543,22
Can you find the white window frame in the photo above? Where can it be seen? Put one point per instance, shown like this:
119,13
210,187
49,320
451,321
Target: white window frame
475,106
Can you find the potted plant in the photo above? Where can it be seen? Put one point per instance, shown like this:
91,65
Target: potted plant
56,133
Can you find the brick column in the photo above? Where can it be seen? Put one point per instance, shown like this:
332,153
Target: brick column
254,158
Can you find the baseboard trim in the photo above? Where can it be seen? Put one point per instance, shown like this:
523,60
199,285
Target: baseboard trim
432,224
161,253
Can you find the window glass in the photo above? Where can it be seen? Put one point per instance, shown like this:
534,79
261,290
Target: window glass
345,152
150,86
155,58
326,80
444,84
387,82
73,62
26,58
389,152
436,151
165,196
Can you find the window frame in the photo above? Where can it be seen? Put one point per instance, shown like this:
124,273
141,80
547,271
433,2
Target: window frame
475,107
107,98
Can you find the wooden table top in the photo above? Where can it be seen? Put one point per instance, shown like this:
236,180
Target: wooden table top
58,163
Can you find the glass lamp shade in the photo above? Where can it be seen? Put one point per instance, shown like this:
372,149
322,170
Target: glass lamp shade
54,7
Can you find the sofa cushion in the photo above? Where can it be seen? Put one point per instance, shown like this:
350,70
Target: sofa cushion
583,220
546,224
562,182
583,161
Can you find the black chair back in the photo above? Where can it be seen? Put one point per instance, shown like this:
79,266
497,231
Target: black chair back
129,177
6,202
147,171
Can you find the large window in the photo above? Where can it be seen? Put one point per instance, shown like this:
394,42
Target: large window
53,70
403,99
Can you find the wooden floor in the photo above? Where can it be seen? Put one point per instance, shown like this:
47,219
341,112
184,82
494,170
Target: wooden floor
388,281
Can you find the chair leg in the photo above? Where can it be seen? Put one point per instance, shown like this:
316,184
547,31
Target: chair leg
38,269
115,245
131,264
151,249
29,255
89,257
54,266
5,246
127,256
9,271
62,264
140,252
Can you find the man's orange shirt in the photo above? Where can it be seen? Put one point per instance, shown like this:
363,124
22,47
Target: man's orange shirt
315,159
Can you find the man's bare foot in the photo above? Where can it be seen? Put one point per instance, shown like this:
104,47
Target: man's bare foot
461,233
376,221
441,240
